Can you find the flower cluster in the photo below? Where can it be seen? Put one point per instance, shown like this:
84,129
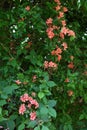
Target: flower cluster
61,32
57,52
65,31
51,28
18,82
50,65
28,104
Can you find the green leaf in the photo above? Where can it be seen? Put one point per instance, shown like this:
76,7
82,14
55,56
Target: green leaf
0,111
13,117
72,38
65,127
51,103
2,119
13,63
44,110
11,124
21,127
32,124
81,117
68,127
52,112
51,84
41,95
37,128
44,128
46,76
20,76
10,89
2,102
32,57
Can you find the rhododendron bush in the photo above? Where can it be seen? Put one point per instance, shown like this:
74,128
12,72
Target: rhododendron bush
43,66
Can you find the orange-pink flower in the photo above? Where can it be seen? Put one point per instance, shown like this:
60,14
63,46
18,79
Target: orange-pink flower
18,82
22,109
66,80
24,97
59,57
61,14
50,32
85,73
49,64
71,65
35,103
53,52
63,23
49,21
46,64
61,35
71,57
58,2
32,116
55,27
65,45
34,78
64,30
71,33
52,64
70,93
58,8
29,105
65,9
58,51
27,8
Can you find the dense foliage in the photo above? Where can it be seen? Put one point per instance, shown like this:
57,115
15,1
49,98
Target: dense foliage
43,65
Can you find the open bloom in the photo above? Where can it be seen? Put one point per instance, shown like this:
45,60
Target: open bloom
61,14
58,51
64,30
27,8
63,23
66,80
24,97
58,8
65,9
58,2
61,35
35,103
32,116
49,21
65,45
18,82
59,57
50,32
71,33
52,64
46,64
71,65
70,93
22,109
